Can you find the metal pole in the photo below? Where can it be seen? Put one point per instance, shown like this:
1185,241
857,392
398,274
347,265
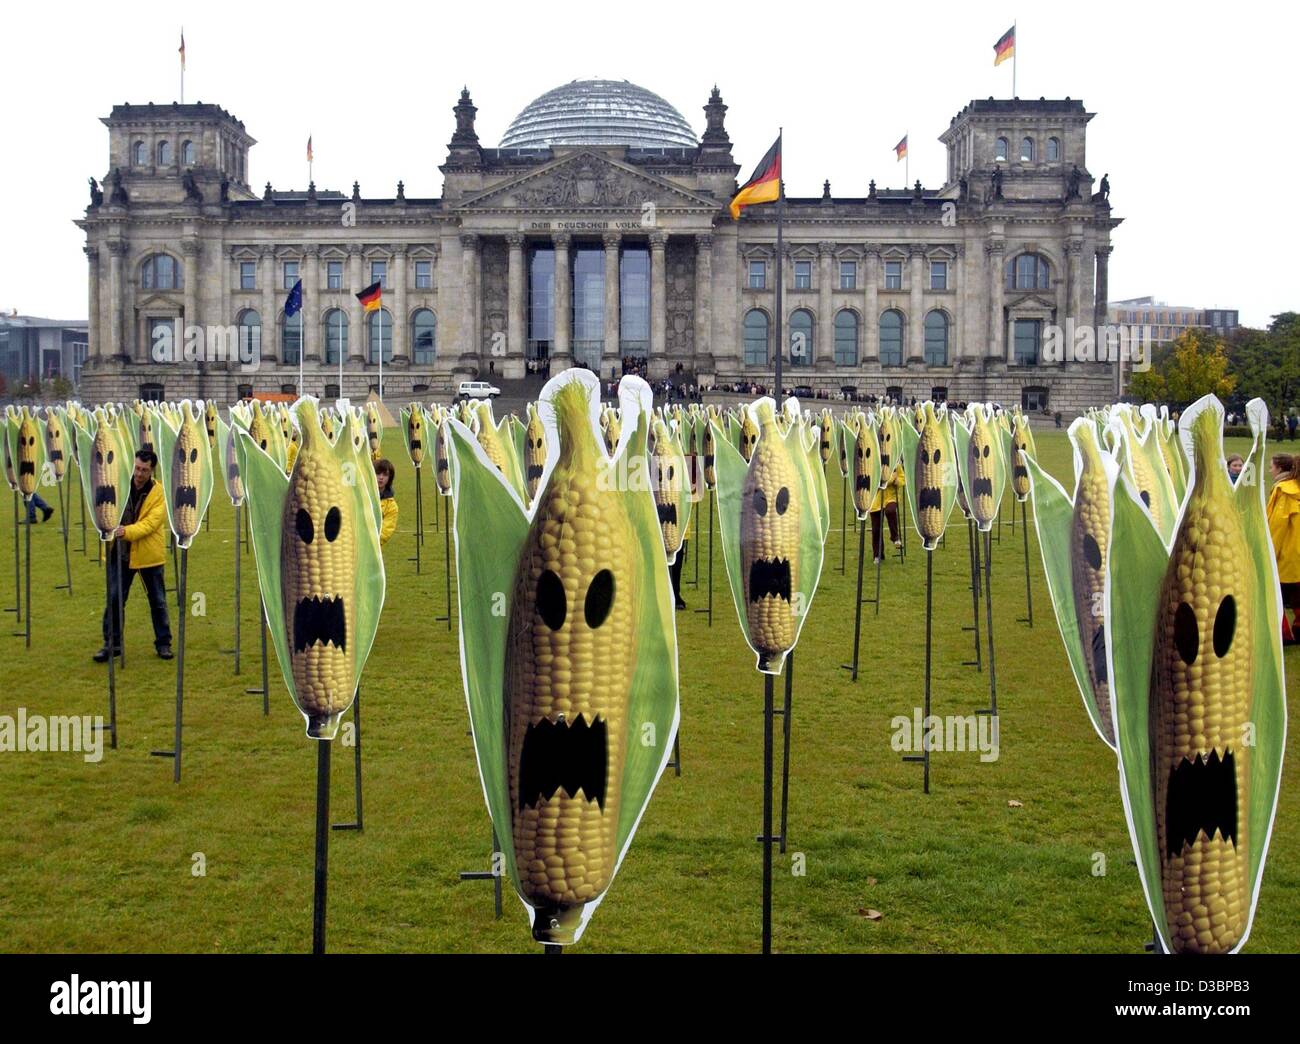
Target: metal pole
712,497
785,757
18,579
112,681
446,519
766,839
419,535
67,562
27,639
780,284
929,618
356,762
857,613
322,845
972,535
81,496
238,590
844,523
988,615
180,665
1029,591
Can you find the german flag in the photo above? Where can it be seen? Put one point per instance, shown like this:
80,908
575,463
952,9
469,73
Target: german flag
764,185
900,150
371,298
1006,47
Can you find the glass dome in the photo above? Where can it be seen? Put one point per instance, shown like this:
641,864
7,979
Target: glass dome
599,112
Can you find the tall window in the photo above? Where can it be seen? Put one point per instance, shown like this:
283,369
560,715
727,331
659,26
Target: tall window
936,339
1028,335
187,154
758,275
336,336
290,274
1000,152
848,275
334,275
1053,149
893,275
1026,150
164,154
803,275
250,335
291,338
756,334
588,306
160,272
634,302
541,301
424,275
1028,272
424,337
379,274
139,154
891,338
248,275
846,338
380,328
938,275
801,337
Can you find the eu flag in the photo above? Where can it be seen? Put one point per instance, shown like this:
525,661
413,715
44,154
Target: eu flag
293,303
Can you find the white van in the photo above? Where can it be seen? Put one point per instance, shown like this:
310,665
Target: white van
477,390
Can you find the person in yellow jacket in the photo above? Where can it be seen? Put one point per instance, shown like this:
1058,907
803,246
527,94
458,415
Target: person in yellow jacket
886,503
139,547
1284,527
387,502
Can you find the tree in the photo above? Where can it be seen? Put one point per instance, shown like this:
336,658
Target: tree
1266,364
1196,365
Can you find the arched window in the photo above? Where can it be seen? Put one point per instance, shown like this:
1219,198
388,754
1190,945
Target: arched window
756,335
187,154
250,335
1029,272
164,154
160,272
846,338
138,154
936,339
380,330
291,338
1000,153
1053,150
801,337
424,337
891,338
1026,150
336,336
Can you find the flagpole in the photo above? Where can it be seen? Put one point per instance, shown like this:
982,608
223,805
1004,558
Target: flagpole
780,259
340,313
182,65
907,160
1015,55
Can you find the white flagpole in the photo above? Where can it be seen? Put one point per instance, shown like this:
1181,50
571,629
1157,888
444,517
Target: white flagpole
340,314
1015,55
182,65
907,160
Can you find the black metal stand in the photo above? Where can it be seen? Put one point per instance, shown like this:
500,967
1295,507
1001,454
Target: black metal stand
988,621
785,755
713,497
356,782
27,587
675,763
1029,593
67,562
973,534
766,838
81,494
321,882
238,587
857,610
112,679
489,875
844,523
175,752
694,539
17,607
446,518
902,528
419,524
924,756
265,690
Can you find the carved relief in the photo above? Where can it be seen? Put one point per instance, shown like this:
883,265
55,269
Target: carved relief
679,303
495,269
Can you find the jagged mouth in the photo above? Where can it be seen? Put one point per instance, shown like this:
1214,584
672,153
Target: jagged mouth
322,620
534,472
56,454
105,495
862,483
667,514
983,487
26,467
1201,798
769,576
186,496
563,755
442,464
416,445
884,460
1021,472
929,497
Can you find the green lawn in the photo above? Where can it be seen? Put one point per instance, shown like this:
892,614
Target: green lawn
98,857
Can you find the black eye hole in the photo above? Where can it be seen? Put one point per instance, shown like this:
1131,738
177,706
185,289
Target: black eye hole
262,443
1225,626
1187,638
1146,498
670,472
925,456
600,599
194,454
333,523
867,453
859,453
782,500
551,606
936,456
110,456
302,522
986,451
1092,551
760,503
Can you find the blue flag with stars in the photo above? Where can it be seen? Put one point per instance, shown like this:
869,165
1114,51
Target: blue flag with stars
293,303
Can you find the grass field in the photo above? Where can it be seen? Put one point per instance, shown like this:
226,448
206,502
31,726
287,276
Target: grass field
99,857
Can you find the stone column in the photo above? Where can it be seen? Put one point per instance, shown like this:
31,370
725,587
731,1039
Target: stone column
193,251
401,342
116,292
997,349
94,328
658,364
356,327
824,357
562,356
1103,289
516,303
915,354
311,345
469,300
871,305
610,355
703,304
1074,280
270,328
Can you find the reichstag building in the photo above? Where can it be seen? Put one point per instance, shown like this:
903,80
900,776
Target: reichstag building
596,234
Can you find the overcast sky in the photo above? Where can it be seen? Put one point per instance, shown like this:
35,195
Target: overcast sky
1194,107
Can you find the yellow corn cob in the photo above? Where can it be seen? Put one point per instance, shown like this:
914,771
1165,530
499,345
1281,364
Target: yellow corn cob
571,645
27,438
146,431
1089,547
1200,703
979,469
1019,470
11,476
185,478
613,431
1144,477
103,478
210,421
862,491
55,437
234,482
888,448
667,488
374,430
710,458
415,433
489,439
258,429
769,540
326,424
318,580
929,478
827,423
442,468
534,450
748,434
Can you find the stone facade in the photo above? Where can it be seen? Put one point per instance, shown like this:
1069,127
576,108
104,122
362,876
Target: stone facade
931,262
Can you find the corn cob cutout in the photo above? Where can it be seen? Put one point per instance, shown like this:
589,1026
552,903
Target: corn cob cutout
374,430
1200,707
210,423
185,467
667,472
1022,442
748,435
1141,459
562,691
863,443
413,425
709,445
29,453
613,429
928,458
229,459
534,451
442,466
316,537
56,441
10,439
106,470
981,468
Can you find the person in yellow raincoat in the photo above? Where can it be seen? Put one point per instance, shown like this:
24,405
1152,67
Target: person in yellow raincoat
387,502
886,503
1284,527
